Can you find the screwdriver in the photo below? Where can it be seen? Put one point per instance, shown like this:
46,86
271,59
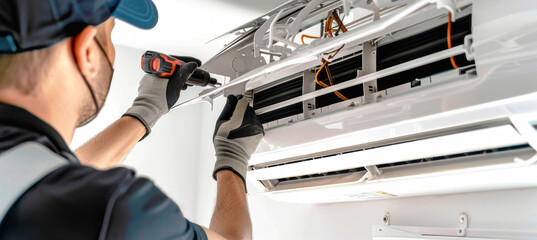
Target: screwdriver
163,65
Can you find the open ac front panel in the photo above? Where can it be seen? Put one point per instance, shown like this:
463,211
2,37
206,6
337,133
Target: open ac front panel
346,68
413,124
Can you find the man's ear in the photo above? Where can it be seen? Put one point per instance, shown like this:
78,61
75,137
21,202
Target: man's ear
85,56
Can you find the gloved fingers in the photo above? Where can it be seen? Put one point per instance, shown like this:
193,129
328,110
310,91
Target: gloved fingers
240,109
186,71
226,113
229,108
237,118
177,83
151,82
150,79
188,59
249,126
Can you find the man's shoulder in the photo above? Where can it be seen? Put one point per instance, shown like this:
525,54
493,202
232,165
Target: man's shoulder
87,177
91,186
91,189
72,195
88,203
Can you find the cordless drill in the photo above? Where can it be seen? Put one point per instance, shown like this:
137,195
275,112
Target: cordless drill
164,66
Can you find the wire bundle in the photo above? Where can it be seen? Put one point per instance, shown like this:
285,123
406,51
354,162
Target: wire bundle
328,32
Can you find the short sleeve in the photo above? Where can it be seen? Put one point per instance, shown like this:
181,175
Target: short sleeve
144,212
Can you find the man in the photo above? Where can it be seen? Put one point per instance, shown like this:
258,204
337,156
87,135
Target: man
56,64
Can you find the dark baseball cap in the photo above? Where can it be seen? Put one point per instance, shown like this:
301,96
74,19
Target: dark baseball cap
34,24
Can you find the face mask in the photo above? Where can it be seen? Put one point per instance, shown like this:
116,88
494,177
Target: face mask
93,95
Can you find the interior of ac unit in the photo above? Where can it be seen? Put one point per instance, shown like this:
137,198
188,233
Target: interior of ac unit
402,46
401,52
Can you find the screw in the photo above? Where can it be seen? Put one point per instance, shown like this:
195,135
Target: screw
460,230
385,218
462,219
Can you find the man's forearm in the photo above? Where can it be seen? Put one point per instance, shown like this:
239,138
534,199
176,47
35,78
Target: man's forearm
111,146
231,218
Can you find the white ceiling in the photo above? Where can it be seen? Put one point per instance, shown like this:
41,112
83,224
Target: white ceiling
185,26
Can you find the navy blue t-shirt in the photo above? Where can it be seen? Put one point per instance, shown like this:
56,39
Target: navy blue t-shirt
80,202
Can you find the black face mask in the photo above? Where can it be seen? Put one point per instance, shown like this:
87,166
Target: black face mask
94,97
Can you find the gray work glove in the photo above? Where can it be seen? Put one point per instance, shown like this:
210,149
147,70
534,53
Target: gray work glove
157,95
236,136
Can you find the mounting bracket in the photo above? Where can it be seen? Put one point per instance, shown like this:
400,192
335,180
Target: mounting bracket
388,231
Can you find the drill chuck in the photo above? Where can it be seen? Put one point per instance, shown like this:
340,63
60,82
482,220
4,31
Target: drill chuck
201,78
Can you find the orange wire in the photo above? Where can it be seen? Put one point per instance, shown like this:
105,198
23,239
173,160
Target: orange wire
307,36
328,26
339,22
329,75
328,29
324,85
341,96
451,59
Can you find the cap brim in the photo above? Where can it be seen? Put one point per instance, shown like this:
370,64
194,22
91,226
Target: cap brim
140,13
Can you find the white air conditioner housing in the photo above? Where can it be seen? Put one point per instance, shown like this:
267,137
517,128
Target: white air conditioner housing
412,124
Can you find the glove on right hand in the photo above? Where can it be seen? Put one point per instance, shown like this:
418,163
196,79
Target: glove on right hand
237,134
156,96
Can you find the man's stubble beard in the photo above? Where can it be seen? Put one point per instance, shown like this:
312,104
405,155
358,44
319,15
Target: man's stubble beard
101,87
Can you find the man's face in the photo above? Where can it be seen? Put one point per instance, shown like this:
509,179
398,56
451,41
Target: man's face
100,85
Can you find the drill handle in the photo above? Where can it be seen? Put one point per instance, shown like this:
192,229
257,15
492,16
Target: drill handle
164,66
160,64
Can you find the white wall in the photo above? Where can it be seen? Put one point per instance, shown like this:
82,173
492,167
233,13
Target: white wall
511,209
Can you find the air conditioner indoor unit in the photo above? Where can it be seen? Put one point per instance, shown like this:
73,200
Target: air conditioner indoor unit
368,99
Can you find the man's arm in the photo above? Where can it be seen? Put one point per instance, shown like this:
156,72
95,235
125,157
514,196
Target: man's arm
155,98
111,146
238,132
231,218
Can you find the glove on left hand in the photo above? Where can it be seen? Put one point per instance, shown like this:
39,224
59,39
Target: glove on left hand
236,136
157,95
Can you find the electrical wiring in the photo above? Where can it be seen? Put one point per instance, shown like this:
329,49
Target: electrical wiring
339,26
328,26
341,96
324,85
307,36
329,75
332,54
451,59
328,29
329,33
339,22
